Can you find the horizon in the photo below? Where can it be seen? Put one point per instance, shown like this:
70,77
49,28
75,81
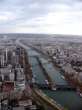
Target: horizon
43,34
66,36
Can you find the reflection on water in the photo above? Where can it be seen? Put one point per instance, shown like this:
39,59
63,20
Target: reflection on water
69,99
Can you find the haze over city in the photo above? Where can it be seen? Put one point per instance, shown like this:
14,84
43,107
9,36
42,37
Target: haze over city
41,16
40,54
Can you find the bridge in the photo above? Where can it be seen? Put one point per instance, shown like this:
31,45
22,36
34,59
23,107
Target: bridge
65,87
57,87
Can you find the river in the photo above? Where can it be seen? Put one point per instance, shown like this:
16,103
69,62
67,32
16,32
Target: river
69,99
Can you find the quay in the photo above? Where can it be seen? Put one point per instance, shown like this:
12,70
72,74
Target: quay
46,100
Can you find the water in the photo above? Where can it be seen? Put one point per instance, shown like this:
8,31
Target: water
53,73
69,99
32,53
36,69
33,61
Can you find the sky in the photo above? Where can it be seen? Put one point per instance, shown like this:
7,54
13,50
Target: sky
41,16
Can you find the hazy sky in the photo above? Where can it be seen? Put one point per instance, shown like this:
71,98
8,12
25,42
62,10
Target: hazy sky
41,16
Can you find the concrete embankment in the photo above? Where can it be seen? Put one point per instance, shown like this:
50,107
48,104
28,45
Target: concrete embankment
46,100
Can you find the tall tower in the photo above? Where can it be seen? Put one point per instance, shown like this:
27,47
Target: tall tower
6,55
2,60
